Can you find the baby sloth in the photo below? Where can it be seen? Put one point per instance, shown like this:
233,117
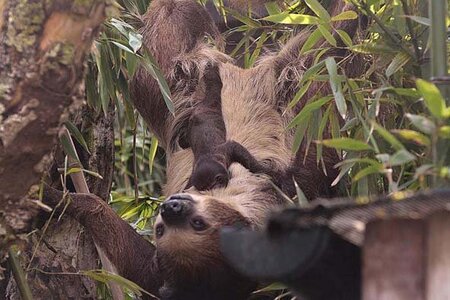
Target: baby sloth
207,138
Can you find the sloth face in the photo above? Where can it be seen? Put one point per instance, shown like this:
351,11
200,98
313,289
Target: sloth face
187,233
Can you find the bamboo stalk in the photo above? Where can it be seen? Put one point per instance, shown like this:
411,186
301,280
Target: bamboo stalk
19,275
79,181
438,11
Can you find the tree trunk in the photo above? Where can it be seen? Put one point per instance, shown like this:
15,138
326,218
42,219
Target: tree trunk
43,45
42,50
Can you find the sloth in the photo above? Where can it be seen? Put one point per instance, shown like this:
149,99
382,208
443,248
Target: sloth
186,262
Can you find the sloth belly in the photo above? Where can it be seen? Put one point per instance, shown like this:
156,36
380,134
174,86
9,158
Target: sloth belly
251,117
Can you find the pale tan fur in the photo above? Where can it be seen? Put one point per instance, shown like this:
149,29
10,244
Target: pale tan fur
251,118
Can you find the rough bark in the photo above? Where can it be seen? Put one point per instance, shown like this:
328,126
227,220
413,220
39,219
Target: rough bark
66,247
42,50
43,45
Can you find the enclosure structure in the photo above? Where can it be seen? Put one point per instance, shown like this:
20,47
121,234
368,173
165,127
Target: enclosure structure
396,247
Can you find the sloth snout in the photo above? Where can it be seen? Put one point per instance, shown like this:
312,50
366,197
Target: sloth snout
175,211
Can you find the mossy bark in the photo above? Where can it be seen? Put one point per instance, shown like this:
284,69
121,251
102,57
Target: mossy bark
43,46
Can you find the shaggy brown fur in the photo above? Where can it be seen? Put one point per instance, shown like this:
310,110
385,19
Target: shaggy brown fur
187,254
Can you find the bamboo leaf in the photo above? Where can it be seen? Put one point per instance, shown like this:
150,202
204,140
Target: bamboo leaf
444,132
400,158
272,8
135,41
413,136
68,149
420,20
244,19
77,135
345,38
286,18
388,137
312,40
336,86
348,144
276,286
422,123
397,63
327,35
152,153
319,10
300,134
307,110
433,98
106,277
365,172
298,96
123,47
150,65
346,15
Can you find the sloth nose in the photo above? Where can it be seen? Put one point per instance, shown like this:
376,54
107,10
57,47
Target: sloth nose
175,210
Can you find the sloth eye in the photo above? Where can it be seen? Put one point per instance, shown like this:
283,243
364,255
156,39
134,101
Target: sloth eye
198,224
159,230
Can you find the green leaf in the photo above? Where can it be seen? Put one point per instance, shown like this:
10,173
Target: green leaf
301,198
388,137
276,286
259,45
244,19
397,63
152,153
272,8
307,110
366,171
433,98
151,66
413,136
348,144
312,40
423,170
400,158
286,18
346,15
345,38
344,171
123,47
364,160
350,124
319,10
311,72
336,86
444,132
420,20
327,35
67,146
422,123
132,62
135,41
321,130
298,96
106,277
300,134
77,135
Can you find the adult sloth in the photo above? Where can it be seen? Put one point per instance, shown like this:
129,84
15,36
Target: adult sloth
186,262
